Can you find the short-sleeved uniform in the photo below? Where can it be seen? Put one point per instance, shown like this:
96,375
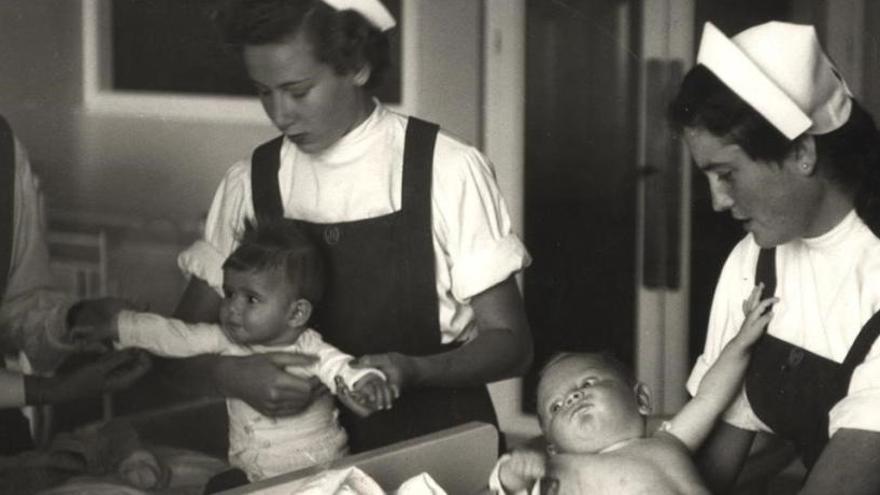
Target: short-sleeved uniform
829,287
359,185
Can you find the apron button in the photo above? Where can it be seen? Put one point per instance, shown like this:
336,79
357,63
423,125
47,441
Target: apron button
795,357
331,235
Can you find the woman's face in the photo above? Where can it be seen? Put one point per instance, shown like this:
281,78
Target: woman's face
307,100
776,202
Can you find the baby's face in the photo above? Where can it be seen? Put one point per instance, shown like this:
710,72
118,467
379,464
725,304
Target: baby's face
586,405
257,307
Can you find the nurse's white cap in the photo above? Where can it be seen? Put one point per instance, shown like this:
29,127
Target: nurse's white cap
780,70
372,10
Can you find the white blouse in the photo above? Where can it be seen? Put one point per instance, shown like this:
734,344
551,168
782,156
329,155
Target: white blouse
359,177
828,286
32,311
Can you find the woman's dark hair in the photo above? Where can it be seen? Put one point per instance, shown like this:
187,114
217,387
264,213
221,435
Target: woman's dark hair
849,155
344,40
281,244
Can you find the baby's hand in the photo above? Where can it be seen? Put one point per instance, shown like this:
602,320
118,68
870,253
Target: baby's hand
376,391
758,314
521,470
371,394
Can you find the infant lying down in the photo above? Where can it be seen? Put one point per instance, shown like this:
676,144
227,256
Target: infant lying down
593,414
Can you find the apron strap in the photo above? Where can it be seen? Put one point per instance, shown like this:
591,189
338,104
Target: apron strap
7,199
860,347
264,181
766,271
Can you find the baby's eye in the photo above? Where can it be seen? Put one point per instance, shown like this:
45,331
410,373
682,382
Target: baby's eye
252,299
589,382
555,406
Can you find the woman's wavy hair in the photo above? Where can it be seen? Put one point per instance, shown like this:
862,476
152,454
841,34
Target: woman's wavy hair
344,40
849,155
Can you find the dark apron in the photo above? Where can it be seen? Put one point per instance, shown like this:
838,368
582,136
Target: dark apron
381,294
791,389
15,433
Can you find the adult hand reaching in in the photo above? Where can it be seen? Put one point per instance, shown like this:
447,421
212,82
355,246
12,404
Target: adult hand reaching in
262,382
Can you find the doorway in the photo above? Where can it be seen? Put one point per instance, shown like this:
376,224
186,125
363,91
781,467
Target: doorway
580,178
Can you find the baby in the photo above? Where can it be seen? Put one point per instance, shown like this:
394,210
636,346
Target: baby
270,283
593,413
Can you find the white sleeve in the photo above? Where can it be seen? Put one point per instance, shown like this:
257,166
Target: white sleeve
232,204
858,409
725,319
169,337
32,311
471,221
332,362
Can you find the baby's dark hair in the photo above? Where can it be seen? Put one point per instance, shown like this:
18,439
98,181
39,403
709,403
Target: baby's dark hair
344,39
281,244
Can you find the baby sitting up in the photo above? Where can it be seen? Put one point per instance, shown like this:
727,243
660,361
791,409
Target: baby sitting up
270,283
593,414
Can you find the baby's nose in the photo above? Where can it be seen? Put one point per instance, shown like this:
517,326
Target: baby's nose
574,397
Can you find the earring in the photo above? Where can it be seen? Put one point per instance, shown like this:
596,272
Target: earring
805,165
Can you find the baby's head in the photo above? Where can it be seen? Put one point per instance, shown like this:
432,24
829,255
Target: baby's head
588,402
270,284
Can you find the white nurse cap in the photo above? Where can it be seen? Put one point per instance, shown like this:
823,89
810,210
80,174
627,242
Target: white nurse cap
781,71
372,10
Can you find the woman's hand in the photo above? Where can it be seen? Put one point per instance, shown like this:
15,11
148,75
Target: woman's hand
262,382
401,370
371,393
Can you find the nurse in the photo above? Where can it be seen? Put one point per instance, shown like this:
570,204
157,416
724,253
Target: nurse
418,239
792,155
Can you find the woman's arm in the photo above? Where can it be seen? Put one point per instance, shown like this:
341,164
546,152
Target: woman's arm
502,348
723,455
848,464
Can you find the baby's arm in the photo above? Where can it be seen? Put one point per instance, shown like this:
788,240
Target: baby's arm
517,472
159,335
333,363
723,380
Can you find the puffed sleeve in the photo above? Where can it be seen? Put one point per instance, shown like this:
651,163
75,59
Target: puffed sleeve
33,312
231,206
858,409
472,224
725,319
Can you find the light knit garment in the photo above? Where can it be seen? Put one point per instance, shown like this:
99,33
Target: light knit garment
261,446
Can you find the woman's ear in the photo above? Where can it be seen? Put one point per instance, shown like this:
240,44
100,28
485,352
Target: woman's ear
299,313
643,398
803,157
362,75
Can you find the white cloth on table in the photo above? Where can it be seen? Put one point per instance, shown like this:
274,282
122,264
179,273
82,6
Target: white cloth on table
259,445
828,286
359,177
